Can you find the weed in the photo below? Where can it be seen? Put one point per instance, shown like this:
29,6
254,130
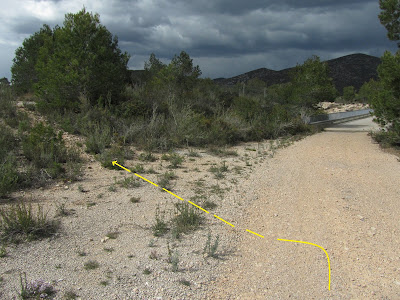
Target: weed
238,170
112,188
148,156
112,234
99,196
210,250
80,188
151,171
208,204
147,271
187,218
175,261
19,221
222,152
129,182
164,180
61,211
135,199
174,159
79,144
193,153
37,289
110,249
138,168
216,189
70,295
98,140
160,227
219,171
151,243
104,283
153,255
3,251
81,253
91,265
90,204
184,282
58,266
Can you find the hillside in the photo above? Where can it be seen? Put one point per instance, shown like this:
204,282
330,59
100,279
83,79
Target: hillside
353,69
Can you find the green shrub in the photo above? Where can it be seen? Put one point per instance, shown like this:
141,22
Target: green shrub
8,175
160,226
211,249
164,180
174,158
187,218
109,155
18,222
98,139
46,150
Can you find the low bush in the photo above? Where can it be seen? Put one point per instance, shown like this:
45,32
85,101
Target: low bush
187,218
19,223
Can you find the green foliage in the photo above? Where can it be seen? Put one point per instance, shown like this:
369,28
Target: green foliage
386,102
24,73
18,222
174,158
91,265
368,91
390,18
349,93
246,107
311,83
187,218
160,226
82,56
45,149
211,249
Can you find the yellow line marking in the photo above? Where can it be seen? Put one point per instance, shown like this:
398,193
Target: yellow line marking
115,163
198,206
173,194
255,233
146,179
224,221
327,256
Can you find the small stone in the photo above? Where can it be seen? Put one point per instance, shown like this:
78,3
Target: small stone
360,217
66,187
105,239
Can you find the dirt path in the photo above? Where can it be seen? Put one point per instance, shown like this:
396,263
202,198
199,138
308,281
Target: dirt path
336,189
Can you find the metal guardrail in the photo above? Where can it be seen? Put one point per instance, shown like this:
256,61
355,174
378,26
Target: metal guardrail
337,116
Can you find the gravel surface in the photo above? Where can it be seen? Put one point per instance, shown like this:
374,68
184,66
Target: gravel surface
335,189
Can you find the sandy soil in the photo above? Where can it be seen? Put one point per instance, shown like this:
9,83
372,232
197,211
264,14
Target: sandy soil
336,189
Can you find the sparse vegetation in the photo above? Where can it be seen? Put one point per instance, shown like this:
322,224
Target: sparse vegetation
160,226
91,265
134,200
130,182
187,218
112,234
146,271
164,180
184,282
37,289
70,295
19,223
211,249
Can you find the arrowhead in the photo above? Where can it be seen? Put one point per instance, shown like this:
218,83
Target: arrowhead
114,162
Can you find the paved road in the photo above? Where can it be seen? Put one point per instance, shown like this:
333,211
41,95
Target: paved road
337,189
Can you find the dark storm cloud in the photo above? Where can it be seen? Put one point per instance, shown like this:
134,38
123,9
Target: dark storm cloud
224,37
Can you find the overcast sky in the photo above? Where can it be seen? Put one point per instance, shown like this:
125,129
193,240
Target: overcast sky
224,37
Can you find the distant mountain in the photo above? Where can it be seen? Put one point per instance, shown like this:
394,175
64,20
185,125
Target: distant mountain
353,69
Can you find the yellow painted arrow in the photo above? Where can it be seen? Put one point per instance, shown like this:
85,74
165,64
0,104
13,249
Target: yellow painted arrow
115,163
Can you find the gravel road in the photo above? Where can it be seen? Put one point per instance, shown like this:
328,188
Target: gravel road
336,189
